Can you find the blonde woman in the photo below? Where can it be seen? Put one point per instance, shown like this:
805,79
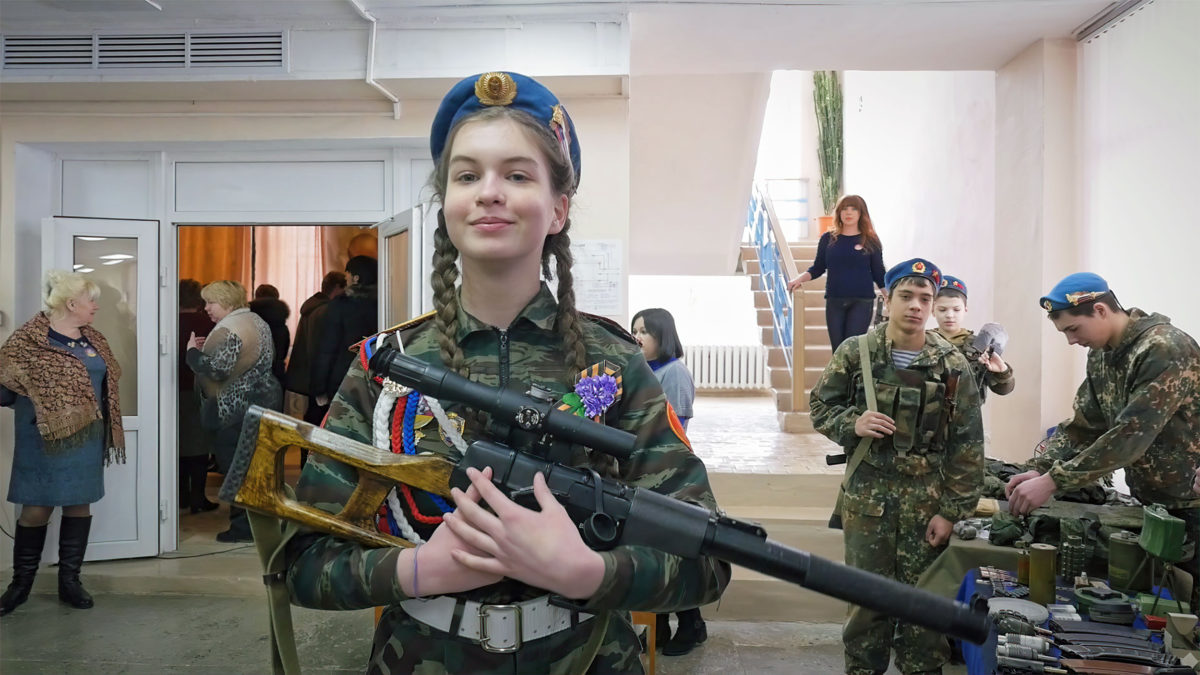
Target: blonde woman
60,377
233,372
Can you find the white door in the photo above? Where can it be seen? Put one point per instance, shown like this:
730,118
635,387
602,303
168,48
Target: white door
121,256
405,253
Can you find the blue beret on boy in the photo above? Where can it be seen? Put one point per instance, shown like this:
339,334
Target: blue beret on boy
504,89
1074,290
954,284
917,267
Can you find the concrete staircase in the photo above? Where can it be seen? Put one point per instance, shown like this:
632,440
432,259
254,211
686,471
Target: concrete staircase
794,509
817,351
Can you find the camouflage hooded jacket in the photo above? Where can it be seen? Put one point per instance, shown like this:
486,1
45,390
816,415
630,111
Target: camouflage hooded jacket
1138,409
326,572
838,399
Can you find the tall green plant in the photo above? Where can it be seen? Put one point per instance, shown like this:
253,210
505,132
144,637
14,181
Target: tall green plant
827,96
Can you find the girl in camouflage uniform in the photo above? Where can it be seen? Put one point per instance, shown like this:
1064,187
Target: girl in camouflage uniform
507,167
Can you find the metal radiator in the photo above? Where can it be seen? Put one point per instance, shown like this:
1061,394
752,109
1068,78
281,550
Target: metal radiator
728,366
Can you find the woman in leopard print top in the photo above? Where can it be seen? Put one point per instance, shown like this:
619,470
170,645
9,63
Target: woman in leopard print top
233,372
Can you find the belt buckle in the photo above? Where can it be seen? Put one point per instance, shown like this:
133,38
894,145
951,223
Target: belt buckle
484,639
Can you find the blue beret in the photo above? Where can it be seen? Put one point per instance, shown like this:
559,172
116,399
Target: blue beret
917,267
953,284
1074,290
504,89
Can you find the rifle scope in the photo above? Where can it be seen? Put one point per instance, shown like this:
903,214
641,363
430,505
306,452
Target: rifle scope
508,407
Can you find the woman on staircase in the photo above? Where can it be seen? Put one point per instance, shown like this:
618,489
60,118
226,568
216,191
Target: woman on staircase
60,377
853,255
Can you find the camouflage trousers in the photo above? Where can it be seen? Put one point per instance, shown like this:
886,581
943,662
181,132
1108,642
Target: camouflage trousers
884,520
405,646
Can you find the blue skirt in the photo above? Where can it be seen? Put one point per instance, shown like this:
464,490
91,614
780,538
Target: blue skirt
66,477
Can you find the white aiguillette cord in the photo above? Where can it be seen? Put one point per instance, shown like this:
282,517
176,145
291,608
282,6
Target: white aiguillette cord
381,433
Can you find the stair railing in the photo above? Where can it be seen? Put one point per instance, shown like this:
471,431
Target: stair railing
776,268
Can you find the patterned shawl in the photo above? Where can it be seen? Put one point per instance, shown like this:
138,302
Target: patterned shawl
64,401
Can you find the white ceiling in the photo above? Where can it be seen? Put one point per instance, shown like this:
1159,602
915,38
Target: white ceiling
848,35
666,37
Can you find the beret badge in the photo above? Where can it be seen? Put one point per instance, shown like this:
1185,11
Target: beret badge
495,89
918,267
945,283
1082,297
1047,305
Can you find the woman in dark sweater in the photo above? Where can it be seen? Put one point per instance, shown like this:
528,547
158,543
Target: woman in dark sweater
853,255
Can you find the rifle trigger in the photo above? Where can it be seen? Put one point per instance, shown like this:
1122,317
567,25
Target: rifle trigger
524,496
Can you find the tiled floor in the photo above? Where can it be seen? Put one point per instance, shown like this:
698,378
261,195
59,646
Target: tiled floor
200,610
166,634
739,434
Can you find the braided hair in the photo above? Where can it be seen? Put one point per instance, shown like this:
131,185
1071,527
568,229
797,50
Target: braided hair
445,257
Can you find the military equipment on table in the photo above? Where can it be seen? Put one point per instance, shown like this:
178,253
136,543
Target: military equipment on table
1097,638
1008,664
1147,657
608,513
1089,667
1095,628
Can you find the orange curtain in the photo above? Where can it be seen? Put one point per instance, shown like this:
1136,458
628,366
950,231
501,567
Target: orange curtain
336,242
209,254
293,258
289,258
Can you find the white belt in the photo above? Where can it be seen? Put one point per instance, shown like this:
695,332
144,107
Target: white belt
497,628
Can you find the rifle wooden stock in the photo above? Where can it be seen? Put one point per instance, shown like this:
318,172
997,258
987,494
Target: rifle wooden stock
255,479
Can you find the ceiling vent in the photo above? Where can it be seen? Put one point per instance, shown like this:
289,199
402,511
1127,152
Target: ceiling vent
110,52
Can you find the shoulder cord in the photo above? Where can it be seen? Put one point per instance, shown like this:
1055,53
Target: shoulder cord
381,438
389,398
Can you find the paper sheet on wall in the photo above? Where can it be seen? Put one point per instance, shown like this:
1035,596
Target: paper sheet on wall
597,270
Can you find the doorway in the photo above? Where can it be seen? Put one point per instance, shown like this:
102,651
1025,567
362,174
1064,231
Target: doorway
294,259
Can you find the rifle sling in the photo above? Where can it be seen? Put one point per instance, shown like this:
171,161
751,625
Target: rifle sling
271,536
864,443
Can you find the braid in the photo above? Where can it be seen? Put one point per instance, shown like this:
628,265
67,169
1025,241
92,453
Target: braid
445,300
568,317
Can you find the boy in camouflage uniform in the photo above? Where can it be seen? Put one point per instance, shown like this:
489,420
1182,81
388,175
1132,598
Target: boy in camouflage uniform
921,474
949,308
1138,408
505,192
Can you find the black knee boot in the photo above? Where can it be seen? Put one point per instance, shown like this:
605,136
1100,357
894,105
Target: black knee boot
72,544
27,553
691,632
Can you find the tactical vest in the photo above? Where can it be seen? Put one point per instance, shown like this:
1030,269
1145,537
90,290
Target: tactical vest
920,400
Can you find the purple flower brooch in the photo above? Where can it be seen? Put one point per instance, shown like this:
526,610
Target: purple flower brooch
596,389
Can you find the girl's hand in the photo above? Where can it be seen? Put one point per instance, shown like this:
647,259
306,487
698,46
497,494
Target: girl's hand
540,548
437,571
794,284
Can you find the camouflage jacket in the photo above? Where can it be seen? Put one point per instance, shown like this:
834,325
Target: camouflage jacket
1138,409
330,573
1000,383
915,398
